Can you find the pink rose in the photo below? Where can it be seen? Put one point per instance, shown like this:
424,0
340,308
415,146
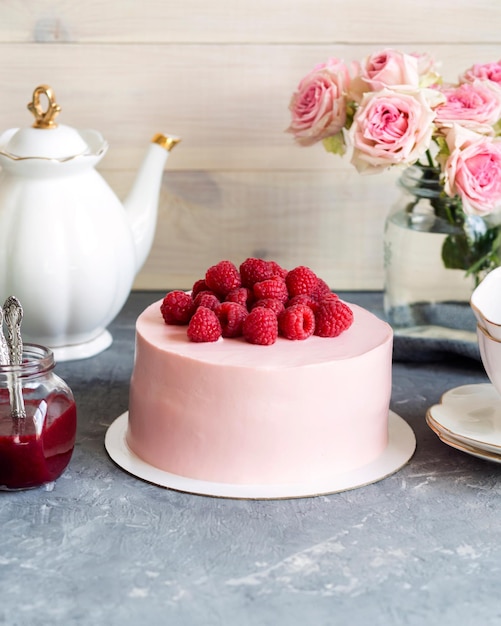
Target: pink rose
389,68
427,69
473,171
318,107
474,105
483,71
390,128
392,68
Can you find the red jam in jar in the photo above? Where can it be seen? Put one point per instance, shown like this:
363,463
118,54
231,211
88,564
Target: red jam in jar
35,449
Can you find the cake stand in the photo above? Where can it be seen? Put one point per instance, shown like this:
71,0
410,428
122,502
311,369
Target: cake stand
400,448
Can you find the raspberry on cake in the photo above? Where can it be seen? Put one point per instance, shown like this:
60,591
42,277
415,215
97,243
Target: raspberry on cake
261,326
259,284
304,298
204,326
207,299
297,322
256,270
270,303
242,295
301,280
231,316
198,286
271,288
177,308
332,317
277,270
322,289
223,277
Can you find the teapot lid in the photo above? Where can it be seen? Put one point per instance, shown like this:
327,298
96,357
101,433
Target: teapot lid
45,139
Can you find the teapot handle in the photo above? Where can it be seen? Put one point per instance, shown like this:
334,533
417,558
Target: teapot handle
44,119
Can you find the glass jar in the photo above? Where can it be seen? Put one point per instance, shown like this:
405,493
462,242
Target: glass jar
37,421
429,244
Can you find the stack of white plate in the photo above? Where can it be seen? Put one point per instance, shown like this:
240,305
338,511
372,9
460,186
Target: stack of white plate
469,418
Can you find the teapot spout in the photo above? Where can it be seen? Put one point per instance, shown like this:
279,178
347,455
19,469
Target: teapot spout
141,204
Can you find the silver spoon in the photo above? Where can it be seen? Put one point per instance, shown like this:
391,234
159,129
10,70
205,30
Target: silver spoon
4,348
13,316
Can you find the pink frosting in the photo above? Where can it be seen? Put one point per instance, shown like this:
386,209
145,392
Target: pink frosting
233,412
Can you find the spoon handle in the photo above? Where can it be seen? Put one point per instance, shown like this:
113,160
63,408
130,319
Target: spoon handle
13,316
4,348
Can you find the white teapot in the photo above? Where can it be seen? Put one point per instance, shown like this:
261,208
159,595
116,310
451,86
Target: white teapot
69,249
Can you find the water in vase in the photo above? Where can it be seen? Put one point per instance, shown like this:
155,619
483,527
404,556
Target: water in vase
419,290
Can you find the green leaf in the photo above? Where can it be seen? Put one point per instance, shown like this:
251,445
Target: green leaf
497,128
335,144
475,255
455,252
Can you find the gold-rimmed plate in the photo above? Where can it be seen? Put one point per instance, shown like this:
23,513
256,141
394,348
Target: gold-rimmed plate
469,415
463,447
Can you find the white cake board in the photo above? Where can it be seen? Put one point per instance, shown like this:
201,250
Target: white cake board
400,448
83,350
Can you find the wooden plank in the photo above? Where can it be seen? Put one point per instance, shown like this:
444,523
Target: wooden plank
221,74
231,109
334,223
259,21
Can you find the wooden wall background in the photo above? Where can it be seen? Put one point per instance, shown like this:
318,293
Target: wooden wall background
220,74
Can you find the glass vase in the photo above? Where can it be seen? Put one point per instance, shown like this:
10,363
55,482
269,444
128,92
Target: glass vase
37,421
422,229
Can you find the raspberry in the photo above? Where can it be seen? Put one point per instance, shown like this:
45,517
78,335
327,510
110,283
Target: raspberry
271,288
242,295
277,269
295,304
270,303
207,299
204,326
301,280
177,308
328,296
304,298
231,316
332,318
223,277
200,285
254,271
261,326
297,322
321,289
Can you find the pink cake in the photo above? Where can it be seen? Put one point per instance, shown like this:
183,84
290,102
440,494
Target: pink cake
233,412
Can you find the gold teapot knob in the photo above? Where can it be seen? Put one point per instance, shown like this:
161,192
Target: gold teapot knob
44,119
